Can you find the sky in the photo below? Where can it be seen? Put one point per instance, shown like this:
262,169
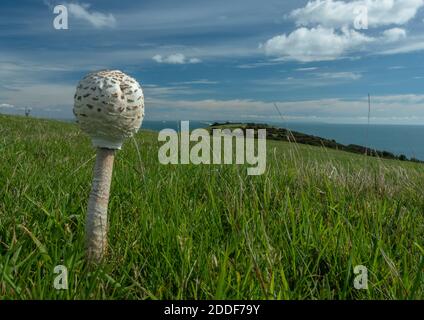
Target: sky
233,60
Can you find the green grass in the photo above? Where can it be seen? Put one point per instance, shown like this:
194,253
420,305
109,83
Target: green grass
205,232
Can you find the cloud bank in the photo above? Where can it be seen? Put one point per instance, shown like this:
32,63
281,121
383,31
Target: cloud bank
329,30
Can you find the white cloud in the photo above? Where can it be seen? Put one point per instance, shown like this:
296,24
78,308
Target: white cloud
195,82
315,44
176,58
337,14
40,95
326,29
306,69
394,34
97,19
305,81
412,46
404,109
258,64
339,75
153,90
6,106
194,60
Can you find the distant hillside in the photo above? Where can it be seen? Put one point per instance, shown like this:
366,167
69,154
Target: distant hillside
282,134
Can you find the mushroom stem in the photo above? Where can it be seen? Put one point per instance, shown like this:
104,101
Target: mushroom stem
96,223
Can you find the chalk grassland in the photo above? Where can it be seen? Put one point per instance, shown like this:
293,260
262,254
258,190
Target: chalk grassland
203,232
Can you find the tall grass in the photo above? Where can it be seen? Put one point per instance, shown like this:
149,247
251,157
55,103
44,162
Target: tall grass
204,232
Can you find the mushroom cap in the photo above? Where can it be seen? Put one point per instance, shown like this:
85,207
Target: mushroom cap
109,107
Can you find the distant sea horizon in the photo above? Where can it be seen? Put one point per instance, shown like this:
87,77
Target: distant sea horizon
396,138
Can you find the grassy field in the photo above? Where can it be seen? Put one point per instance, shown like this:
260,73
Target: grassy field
205,232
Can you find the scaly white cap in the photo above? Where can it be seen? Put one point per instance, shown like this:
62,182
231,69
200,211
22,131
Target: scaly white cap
109,107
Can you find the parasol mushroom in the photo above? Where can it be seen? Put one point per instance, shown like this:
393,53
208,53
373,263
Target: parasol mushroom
109,107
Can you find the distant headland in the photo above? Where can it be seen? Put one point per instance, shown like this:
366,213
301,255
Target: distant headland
282,134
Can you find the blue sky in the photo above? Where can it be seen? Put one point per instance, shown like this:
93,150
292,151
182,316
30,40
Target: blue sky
222,60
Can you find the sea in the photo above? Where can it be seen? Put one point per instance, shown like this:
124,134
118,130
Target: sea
397,139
